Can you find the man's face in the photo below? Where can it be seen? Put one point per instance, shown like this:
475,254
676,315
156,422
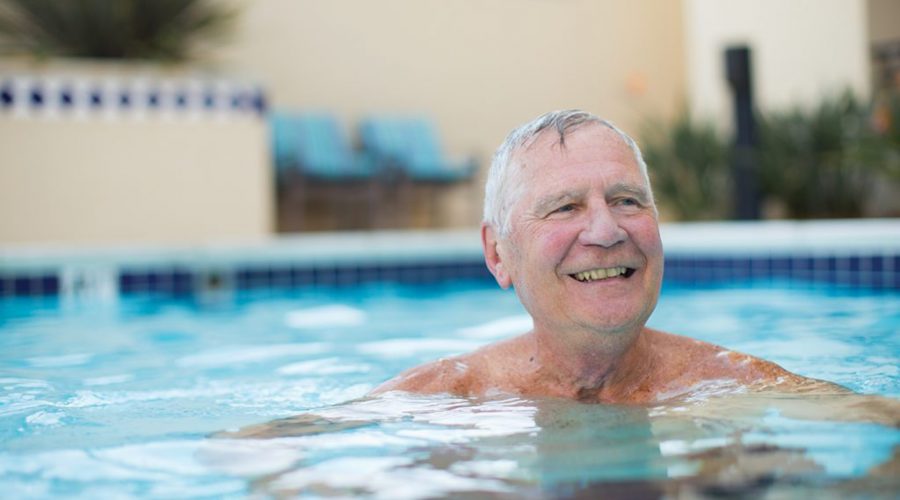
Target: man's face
584,248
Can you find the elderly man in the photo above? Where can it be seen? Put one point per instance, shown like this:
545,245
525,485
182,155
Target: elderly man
571,224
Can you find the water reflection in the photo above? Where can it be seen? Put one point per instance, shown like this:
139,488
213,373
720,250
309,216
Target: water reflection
408,446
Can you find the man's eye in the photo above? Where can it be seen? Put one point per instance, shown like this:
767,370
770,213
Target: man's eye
629,202
565,208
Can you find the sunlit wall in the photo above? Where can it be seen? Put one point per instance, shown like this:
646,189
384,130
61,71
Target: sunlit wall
801,51
478,67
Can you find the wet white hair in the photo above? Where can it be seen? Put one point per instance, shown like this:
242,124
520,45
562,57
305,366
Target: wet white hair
502,188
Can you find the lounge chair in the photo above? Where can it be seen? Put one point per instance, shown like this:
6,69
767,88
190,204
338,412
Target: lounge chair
409,148
314,144
315,166
410,145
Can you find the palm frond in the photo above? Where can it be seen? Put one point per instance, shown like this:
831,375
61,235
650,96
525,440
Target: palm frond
167,30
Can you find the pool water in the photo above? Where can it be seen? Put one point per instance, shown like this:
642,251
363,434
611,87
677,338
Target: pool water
262,394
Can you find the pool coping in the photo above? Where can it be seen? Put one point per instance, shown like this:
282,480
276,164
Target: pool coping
312,248
857,252
832,237
816,237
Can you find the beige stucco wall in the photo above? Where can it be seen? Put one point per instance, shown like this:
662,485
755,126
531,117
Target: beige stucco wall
479,67
802,50
97,178
67,182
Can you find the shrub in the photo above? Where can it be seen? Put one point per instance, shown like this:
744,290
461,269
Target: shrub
688,164
819,162
162,30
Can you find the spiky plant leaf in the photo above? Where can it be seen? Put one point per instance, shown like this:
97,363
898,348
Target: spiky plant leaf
167,30
688,162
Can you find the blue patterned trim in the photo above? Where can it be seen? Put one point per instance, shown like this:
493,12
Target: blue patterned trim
61,95
29,285
868,271
879,272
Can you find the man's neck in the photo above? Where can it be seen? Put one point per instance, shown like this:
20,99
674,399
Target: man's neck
591,365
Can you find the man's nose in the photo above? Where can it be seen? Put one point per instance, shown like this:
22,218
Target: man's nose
601,228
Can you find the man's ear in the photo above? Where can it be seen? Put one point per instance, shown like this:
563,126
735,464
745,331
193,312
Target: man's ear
493,256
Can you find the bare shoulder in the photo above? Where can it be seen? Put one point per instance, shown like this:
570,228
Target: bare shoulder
450,375
700,360
490,367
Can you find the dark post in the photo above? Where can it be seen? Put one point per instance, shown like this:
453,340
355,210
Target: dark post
743,164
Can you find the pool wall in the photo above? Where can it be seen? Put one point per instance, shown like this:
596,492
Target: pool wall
852,253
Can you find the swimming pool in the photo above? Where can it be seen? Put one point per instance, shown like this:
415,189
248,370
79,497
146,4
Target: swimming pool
251,383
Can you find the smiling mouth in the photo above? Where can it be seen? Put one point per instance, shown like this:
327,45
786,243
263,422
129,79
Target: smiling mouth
603,273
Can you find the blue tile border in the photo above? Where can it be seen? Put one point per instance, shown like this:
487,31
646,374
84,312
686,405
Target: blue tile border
29,285
876,271
872,271
170,281
260,277
862,254
183,281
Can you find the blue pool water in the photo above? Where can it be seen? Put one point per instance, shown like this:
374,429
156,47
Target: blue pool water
263,394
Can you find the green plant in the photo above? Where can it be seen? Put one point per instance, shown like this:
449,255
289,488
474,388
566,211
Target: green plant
688,162
819,162
886,122
815,163
163,30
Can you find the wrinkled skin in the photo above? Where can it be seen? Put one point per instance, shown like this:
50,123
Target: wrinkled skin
584,206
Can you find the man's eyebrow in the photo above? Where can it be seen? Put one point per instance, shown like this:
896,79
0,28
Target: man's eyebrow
639,192
555,200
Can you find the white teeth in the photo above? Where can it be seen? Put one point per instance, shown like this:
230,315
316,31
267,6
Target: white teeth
599,274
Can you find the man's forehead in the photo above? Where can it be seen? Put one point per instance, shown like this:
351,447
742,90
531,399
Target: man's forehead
592,145
548,143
